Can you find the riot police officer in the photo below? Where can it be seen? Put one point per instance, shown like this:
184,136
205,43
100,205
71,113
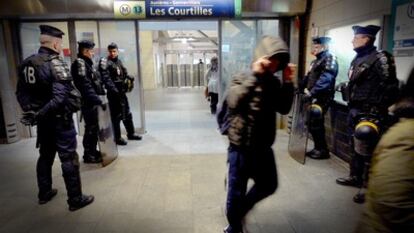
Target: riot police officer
372,88
319,88
118,103
47,96
91,85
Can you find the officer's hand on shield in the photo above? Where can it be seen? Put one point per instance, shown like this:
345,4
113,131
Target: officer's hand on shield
104,102
29,118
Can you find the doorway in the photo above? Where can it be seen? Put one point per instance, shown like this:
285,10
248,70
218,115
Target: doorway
162,54
102,33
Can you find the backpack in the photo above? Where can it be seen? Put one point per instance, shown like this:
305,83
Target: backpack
223,120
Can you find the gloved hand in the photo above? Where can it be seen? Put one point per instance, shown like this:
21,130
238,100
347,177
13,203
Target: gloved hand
29,118
307,95
103,106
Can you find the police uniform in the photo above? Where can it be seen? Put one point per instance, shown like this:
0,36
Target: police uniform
320,83
118,102
91,85
47,96
372,88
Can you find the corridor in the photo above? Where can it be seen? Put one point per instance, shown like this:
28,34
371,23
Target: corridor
173,182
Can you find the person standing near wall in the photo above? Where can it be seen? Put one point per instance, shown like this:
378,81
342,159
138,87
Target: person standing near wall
212,77
319,88
390,201
373,87
253,100
47,96
118,101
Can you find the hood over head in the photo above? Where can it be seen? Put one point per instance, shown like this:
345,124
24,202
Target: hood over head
270,46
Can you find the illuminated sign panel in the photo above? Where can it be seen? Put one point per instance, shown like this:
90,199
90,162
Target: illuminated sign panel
177,9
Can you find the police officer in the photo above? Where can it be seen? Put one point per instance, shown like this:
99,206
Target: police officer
91,85
319,88
118,103
372,88
47,96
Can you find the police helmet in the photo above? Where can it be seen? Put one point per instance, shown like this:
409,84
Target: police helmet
86,44
323,40
370,30
366,136
315,111
50,31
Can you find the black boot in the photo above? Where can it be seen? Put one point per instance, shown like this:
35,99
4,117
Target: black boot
91,158
80,202
134,137
121,141
46,197
309,153
320,154
349,181
130,128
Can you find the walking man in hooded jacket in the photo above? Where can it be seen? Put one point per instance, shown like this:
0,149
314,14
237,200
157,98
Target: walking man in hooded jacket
253,100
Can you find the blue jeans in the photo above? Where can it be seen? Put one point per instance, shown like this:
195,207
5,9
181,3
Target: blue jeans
244,163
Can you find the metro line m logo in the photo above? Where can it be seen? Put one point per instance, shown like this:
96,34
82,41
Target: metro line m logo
125,9
410,10
129,9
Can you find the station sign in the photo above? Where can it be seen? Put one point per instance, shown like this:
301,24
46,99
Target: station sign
152,9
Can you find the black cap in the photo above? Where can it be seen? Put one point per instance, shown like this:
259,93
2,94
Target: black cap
321,40
112,46
86,44
370,30
51,31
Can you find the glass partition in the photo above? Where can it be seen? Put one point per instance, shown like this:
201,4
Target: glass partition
88,30
29,37
341,46
123,34
239,39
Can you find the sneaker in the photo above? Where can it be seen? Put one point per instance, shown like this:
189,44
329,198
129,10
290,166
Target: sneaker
134,137
229,230
44,198
359,198
80,202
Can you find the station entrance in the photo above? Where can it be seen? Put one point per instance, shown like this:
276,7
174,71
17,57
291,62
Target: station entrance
162,54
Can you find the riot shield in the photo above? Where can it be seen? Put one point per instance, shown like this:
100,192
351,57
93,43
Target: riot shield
298,138
107,145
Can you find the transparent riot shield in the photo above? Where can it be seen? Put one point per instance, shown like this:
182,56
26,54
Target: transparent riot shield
107,145
298,138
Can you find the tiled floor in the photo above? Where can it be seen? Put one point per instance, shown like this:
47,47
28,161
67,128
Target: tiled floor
172,182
